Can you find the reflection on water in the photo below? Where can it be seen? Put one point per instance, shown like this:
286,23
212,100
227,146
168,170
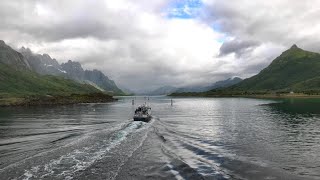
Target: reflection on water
298,120
196,138
297,106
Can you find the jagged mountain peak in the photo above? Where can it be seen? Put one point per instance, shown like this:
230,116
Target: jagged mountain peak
46,56
44,64
25,50
294,46
12,58
294,52
75,71
71,63
2,42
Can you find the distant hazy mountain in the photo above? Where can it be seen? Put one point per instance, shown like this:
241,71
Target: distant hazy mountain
44,64
162,91
170,89
12,58
225,83
219,84
127,90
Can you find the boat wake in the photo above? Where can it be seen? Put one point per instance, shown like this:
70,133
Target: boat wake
66,166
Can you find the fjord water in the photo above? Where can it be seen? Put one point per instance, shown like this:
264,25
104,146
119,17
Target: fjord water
196,138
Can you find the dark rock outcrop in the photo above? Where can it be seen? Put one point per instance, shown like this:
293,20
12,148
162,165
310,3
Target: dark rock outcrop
101,80
74,70
12,58
42,64
97,78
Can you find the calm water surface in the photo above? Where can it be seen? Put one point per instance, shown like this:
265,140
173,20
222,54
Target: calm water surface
196,138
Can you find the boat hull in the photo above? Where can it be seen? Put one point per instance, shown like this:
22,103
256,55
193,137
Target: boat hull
144,119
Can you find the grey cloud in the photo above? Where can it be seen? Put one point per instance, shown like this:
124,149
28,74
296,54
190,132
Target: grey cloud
136,45
270,26
237,46
278,21
66,20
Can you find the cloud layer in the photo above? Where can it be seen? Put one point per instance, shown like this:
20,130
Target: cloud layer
155,43
282,22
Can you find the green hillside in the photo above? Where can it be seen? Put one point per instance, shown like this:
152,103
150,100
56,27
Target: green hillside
16,83
294,70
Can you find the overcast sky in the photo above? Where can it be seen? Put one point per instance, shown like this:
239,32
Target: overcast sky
144,43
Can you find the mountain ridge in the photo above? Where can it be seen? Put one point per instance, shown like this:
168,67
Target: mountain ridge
165,90
218,84
12,58
292,66
45,65
293,71
20,85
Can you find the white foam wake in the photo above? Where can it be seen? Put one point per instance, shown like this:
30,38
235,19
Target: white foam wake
67,165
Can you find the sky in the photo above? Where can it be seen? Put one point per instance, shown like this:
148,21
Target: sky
145,44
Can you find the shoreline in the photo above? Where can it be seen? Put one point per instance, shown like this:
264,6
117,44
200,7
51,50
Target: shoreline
299,96
259,96
49,100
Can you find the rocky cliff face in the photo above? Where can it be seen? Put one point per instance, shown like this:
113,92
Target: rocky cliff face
12,58
75,71
18,80
101,80
42,64
28,62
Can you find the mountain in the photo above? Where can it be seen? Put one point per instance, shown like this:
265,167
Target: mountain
219,84
127,90
15,82
44,64
294,70
162,91
76,72
225,83
165,90
18,79
102,81
12,58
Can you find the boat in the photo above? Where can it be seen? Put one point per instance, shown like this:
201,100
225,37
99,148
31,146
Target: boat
142,113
